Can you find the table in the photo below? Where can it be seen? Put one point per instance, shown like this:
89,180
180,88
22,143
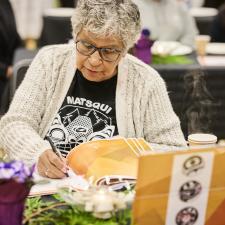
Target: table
179,60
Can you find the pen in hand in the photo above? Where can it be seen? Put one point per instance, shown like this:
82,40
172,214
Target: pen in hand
55,150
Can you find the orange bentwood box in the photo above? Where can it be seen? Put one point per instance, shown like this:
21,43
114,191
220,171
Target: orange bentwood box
181,188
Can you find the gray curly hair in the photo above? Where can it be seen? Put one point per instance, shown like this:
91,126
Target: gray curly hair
104,18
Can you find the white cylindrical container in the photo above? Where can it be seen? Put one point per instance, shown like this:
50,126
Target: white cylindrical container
201,139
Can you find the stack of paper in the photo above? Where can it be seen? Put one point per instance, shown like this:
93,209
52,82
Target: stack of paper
47,186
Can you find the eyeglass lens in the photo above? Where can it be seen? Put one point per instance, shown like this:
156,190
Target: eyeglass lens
107,54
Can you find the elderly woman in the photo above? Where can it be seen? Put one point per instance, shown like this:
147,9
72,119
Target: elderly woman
87,90
168,20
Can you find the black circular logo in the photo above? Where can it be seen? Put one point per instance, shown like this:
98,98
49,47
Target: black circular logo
189,190
187,216
193,164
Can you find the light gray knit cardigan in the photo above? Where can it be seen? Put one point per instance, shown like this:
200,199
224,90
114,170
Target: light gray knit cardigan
143,108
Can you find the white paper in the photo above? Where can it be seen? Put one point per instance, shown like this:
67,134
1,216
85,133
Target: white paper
46,186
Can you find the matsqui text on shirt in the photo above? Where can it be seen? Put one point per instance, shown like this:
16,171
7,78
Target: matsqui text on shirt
88,103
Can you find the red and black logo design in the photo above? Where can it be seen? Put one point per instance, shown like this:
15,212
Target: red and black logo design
190,190
187,216
193,164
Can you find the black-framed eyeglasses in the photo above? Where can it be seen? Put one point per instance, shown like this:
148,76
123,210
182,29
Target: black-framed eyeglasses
106,54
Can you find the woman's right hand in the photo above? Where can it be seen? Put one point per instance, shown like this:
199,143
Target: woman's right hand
50,165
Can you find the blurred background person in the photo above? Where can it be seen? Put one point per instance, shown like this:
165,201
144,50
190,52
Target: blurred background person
196,3
9,41
192,3
168,20
218,26
29,18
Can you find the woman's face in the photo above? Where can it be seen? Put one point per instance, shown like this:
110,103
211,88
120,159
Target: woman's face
93,67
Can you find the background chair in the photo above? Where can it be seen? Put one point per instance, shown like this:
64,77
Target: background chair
20,54
68,3
56,26
174,78
23,53
204,24
19,71
198,97
215,81
204,18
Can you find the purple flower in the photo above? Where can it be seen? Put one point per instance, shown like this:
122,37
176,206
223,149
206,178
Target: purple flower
15,170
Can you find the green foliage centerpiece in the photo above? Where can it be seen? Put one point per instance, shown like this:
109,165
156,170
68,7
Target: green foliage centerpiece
92,207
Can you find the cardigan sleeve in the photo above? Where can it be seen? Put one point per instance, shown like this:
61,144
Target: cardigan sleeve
162,126
20,126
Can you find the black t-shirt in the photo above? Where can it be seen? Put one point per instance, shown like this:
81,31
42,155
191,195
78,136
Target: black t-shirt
87,113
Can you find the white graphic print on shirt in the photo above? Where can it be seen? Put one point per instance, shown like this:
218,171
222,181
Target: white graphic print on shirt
79,121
